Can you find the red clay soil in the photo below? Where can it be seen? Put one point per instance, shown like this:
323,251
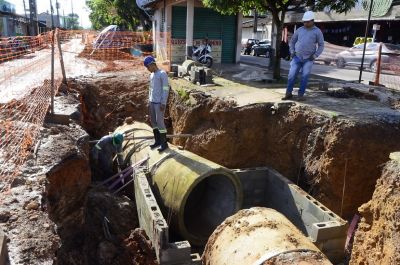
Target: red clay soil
105,54
107,100
54,215
377,240
314,151
317,152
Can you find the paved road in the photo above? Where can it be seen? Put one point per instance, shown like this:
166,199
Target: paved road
18,77
330,71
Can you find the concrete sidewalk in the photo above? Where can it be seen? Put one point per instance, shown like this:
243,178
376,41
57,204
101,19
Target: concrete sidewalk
245,85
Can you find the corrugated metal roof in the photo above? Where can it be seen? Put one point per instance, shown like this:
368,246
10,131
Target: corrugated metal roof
146,3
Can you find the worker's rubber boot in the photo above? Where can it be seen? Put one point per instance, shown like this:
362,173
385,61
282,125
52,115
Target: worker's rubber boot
157,139
164,143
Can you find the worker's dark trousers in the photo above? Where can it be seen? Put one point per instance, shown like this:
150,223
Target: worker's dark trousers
102,167
157,117
105,166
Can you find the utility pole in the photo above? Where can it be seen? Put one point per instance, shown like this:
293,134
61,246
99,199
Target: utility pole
65,24
26,18
365,40
52,58
72,15
58,15
255,24
33,16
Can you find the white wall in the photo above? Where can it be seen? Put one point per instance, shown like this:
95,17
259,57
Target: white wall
262,33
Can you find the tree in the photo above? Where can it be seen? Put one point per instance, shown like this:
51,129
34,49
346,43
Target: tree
124,13
278,10
72,21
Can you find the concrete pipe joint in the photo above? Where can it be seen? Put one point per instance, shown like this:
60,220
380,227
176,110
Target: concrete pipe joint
260,236
196,193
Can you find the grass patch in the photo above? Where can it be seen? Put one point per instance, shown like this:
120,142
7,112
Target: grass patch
183,94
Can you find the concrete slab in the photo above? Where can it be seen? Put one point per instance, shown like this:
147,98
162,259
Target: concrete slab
153,222
267,188
395,156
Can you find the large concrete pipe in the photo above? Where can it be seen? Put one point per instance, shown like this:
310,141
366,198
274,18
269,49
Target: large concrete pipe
260,236
195,193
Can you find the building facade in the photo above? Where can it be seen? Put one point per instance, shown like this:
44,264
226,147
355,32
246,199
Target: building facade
178,25
45,19
264,29
11,24
343,29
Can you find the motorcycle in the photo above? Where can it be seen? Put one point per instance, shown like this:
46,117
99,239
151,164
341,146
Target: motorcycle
202,54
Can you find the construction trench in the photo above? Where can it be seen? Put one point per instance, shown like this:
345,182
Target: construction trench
300,175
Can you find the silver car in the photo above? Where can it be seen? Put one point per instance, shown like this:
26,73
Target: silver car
353,56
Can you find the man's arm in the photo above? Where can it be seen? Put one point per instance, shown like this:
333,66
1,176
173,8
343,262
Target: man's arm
321,44
292,43
120,159
165,88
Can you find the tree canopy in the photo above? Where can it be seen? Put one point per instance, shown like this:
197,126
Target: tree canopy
123,13
72,21
278,9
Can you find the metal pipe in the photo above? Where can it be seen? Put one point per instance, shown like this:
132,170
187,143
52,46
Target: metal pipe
365,41
195,194
260,236
52,59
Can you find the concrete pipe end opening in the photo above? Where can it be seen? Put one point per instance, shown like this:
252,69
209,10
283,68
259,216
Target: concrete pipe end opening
210,200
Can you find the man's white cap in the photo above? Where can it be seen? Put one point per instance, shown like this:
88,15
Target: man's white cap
308,16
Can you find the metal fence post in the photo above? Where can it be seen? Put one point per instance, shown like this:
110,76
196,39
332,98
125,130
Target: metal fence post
64,80
365,40
52,58
378,65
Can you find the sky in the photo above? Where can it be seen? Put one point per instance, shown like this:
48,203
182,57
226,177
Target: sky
44,5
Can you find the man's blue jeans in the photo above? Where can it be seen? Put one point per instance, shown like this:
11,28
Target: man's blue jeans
295,66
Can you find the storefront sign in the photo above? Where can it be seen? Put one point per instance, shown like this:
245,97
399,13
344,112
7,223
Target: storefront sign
178,49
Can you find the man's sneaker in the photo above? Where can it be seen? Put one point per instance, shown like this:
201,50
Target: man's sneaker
287,97
301,98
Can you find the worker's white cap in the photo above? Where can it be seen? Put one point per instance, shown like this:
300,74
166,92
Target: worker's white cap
308,16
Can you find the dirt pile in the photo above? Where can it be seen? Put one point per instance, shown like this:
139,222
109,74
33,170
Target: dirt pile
104,233
110,54
325,155
54,215
23,215
377,240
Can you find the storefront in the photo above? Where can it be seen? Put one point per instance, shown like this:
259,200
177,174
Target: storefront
343,29
180,25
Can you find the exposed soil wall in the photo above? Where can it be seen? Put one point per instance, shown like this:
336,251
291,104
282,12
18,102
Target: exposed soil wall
324,155
318,152
107,100
377,240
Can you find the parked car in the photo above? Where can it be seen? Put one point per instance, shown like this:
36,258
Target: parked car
330,53
248,45
353,56
262,48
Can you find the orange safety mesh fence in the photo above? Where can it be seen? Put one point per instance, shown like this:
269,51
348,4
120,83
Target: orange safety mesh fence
123,45
386,66
25,92
25,89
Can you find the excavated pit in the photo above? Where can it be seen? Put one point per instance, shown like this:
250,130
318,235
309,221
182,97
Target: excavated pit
334,159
